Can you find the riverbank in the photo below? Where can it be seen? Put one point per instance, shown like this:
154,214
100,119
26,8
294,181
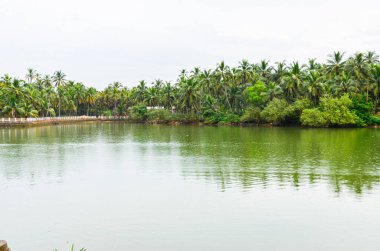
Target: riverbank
10,122
26,122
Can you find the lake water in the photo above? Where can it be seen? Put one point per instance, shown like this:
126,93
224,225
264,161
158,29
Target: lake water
115,186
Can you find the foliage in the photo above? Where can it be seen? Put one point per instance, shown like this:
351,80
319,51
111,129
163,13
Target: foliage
337,111
185,118
222,118
278,111
139,113
251,115
363,109
293,112
331,112
256,93
374,120
107,113
313,117
159,116
250,92
275,112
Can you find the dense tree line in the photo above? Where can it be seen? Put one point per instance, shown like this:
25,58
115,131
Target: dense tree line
340,92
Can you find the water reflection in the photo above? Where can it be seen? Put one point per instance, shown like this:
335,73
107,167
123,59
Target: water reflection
278,156
342,159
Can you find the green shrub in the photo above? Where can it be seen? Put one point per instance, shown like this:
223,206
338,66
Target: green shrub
185,118
159,116
214,114
275,112
293,112
313,117
374,120
331,112
337,111
107,113
138,113
229,118
221,118
363,110
251,115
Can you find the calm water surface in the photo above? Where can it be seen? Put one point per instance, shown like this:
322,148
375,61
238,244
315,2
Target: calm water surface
133,187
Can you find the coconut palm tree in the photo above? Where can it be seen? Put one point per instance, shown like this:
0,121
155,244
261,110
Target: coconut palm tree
359,69
59,78
335,62
375,80
167,94
140,92
13,108
264,70
245,70
273,90
371,57
293,82
188,95
280,72
80,97
90,98
344,84
221,72
31,75
315,85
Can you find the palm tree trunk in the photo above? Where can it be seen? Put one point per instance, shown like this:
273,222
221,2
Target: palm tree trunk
59,105
226,96
375,105
366,99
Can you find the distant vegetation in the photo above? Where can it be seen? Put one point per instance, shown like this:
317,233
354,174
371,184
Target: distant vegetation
340,92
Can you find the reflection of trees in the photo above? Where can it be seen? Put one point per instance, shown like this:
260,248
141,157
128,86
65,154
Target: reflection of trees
227,156
345,158
24,149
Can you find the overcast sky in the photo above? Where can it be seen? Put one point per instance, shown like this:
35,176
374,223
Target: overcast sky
98,42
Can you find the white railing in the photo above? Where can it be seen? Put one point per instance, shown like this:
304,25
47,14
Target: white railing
58,119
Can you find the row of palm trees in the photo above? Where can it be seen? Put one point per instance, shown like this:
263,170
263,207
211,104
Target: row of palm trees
203,92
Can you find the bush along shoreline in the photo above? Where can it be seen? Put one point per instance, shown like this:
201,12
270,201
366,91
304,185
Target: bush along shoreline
343,91
332,112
